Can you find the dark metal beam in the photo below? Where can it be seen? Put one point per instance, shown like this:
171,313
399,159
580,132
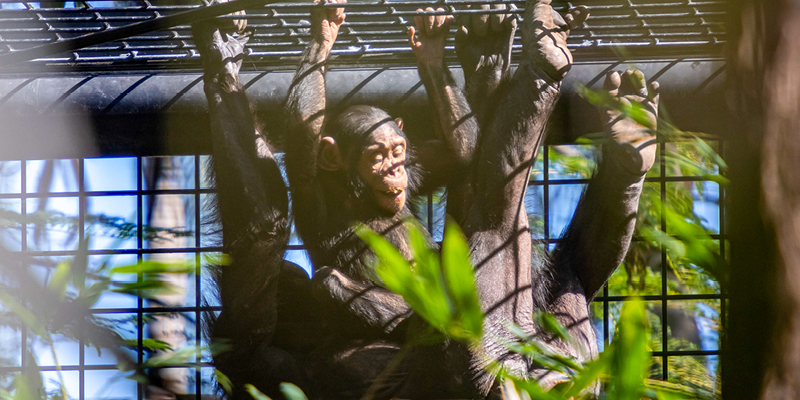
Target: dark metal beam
52,116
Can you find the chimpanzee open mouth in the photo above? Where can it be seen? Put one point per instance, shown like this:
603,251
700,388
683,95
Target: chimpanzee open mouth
395,190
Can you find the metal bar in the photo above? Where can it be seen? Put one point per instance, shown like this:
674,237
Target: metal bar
127,31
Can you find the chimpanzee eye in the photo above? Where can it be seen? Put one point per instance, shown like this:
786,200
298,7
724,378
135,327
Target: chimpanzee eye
398,152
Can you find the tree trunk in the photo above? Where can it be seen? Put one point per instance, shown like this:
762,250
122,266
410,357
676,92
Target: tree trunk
168,211
761,345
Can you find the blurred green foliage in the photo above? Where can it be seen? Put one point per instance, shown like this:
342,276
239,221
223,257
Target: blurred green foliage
448,301
55,304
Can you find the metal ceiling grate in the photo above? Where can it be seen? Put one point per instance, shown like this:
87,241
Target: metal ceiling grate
374,33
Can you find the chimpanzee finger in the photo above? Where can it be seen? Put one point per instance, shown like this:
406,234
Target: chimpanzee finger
653,94
612,83
558,20
244,38
480,22
411,41
639,83
624,102
462,19
496,20
541,12
576,17
430,20
419,22
511,18
438,25
626,83
336,14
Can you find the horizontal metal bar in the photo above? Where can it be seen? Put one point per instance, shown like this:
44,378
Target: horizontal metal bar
658,297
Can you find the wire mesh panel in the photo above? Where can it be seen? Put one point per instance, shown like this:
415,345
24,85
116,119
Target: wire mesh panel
127,217
374,32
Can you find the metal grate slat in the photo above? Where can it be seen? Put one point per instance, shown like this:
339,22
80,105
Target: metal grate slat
374,33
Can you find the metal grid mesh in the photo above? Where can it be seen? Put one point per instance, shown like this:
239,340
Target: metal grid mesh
374,32
80,192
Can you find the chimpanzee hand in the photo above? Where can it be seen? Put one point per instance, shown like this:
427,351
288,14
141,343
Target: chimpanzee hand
231,25
221,53
633,140
544,37
325,22
429,46
483,41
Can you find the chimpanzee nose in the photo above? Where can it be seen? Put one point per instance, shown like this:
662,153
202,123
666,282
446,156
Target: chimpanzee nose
394,170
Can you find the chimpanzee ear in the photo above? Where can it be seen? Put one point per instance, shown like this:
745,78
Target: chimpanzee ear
328,157
399,122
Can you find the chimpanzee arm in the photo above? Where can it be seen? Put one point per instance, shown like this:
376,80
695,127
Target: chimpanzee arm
513,135
373,305
252,198
245,168
305,105
601,230
458,125
483,46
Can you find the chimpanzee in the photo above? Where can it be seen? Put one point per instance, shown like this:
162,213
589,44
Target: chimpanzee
342,335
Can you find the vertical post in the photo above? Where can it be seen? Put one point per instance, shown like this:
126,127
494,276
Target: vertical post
169,212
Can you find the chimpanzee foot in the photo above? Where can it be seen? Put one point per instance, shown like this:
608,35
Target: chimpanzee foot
631,120
483,41
544,37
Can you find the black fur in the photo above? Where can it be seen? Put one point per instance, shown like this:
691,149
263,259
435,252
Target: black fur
341,335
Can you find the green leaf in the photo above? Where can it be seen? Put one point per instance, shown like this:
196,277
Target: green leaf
153,267
60,279
428,272
80,264
255,392
180,358
5,394
588,375
513,387
152,345
224,381
89,296
547,358
631,359
460,279
658,237
26,316
292,392
29,383
706,151
147,289
550,324
396,273
23,390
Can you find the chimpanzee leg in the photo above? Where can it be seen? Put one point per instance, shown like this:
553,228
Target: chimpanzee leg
601,230
382,369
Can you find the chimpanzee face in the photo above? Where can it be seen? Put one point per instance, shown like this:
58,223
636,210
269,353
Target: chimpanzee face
382,167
